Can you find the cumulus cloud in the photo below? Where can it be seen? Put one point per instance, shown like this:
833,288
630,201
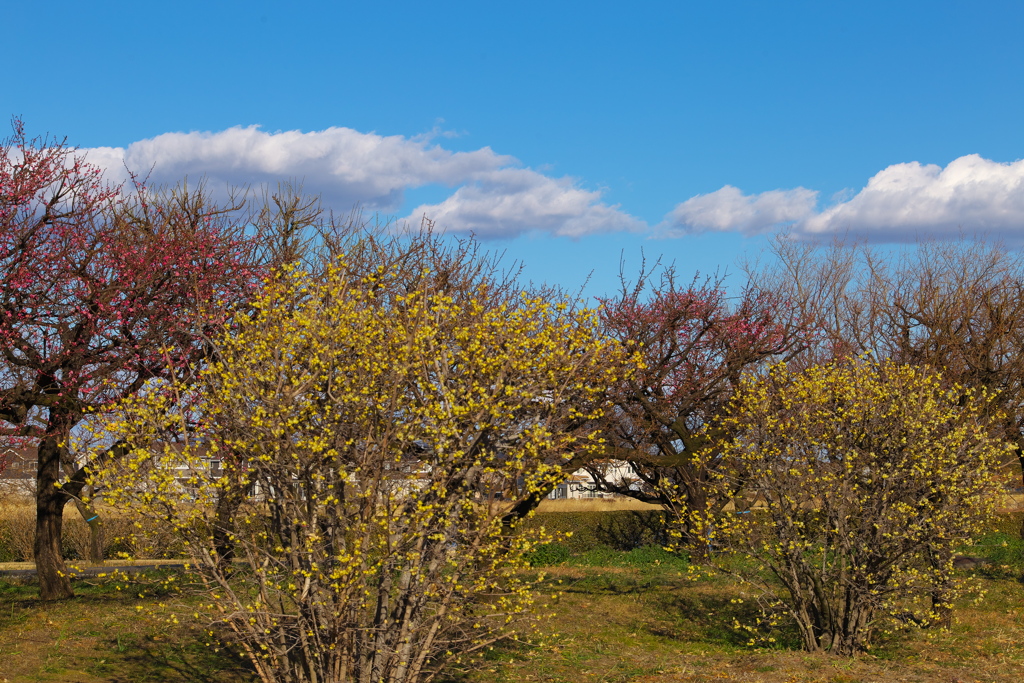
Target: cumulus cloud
905,201
509,201
902,202
345,166
494,196
729,210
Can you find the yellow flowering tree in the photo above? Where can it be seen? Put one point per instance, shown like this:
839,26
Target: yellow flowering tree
860,479
368,428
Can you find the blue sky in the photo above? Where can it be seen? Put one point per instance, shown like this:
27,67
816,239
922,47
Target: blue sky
565,133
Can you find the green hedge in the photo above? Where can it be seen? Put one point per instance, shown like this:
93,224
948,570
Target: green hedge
626,530
622,530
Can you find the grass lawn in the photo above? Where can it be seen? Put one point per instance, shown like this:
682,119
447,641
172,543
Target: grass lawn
652,625
620,617
101,636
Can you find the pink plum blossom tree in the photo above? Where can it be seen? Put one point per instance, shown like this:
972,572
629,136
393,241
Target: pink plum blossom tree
102,290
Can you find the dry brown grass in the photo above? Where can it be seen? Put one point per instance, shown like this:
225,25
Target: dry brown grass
610,625
594,505
650,626
1011,502
119,534
99,637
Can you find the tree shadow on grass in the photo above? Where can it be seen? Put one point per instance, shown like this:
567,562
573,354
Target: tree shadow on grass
720,620
181,656
629,530
594,583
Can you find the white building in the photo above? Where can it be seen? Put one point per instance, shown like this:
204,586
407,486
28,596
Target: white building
580,483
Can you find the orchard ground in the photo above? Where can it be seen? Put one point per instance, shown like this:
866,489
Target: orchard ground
638,616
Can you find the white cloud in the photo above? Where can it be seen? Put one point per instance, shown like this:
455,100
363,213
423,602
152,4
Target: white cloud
346,167
902,202
906,201
729,210
514,200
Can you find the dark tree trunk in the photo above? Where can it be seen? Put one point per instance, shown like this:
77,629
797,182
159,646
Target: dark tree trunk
698,533
940,595
522,508
1019,448
223,528
229,502
54,583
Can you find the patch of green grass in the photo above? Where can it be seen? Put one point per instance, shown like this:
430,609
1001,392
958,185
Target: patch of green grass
549,555
100,635
1001,550
638,616
644,557
623,622
649,557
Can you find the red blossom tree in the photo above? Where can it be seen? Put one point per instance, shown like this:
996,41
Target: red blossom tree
696,343
101,292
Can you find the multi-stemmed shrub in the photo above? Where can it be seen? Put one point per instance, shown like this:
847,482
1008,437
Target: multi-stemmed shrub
372,428
854,483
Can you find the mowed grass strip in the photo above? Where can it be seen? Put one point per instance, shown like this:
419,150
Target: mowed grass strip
101,635
659,622
641,616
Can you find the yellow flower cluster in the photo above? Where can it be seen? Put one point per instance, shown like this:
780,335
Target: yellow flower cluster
853,483
368,436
